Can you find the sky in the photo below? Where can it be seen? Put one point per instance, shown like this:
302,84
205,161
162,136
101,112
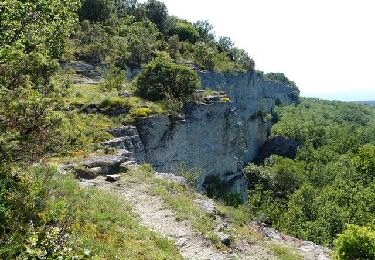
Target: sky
326,46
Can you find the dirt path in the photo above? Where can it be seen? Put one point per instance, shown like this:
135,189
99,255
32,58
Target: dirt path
154,215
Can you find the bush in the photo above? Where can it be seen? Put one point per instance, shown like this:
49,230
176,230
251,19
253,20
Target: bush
96,10
355,243
114,79
161,78
141,112
185,31
114,103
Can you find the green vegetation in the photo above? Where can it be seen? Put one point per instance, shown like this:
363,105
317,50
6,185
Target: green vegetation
161,79
356,243
129,35
285,253
281,78
330,183
183,201
47,216
43,117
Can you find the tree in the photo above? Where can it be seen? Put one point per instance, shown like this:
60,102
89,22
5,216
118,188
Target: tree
126,7
242,59
157,13
364,161
205,30
142,40
162,78
205,55
185,31
355,243
225,44
96,10
31,38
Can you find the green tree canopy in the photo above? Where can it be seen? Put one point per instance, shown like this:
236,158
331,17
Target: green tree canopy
162,78
96,10
32,37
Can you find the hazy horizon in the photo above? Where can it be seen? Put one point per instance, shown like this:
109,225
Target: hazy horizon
353,95
326,47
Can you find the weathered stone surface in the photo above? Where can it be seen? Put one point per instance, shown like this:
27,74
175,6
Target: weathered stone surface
207,205
215,138
171,177
113,178
278,145
224,238
103,160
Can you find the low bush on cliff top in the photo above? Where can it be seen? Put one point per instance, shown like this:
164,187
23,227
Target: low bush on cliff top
162,78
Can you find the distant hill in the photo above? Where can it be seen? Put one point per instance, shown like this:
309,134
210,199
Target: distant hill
371,103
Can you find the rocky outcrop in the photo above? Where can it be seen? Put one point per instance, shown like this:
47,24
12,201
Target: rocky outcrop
278,145
215,138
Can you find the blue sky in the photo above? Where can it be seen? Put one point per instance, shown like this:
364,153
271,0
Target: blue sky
326,46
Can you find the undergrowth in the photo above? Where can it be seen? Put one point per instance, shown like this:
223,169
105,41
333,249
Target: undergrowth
55,218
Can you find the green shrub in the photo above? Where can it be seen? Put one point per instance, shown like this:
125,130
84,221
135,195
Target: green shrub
96,10
185,31
114,103
355,243
114,79
161,78
141,112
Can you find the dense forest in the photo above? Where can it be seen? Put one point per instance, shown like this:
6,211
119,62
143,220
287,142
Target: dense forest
45,215
330,183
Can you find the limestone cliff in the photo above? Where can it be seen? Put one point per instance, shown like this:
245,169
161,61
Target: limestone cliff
218,138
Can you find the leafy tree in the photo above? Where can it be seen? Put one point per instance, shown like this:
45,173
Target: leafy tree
185,31
156,12
161,78
225,44
142,39
114,79
279,77
174,46
364,161
95,42
31,38
242,59
97,10
355,243
205,55
126,7
205,30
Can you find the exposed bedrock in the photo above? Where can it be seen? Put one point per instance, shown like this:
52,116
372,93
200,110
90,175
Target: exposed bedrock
217,138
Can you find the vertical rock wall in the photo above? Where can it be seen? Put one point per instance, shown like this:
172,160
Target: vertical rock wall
219,138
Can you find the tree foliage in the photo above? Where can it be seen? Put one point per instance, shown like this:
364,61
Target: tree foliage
96,10
161,78
32,38
331,181
156,12
355,243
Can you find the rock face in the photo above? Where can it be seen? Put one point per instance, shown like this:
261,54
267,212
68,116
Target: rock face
278,145
215,138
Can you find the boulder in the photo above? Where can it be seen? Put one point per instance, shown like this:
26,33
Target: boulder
278,145
113,178
224,238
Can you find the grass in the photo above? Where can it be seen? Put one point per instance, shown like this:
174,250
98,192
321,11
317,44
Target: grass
179,198
69,222
285,253
83,94
104,225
